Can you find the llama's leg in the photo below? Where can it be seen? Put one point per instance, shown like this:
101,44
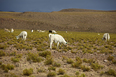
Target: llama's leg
57,45
51,44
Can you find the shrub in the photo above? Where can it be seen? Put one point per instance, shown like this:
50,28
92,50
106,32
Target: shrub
56,64
88,60
10,67
61,71
70,61
7,67
77,73
51,68
3,66
15,59
40,49
34,57
101,73
27,71
114,61
41,70
82,75
2,53
18,55
84,68
0,63
64,57
96,66
65,75
78,59
5,70
3,46
76,64
111,72
51,74
69,48
73,51
49,61
12,75
64,50
85,60
13,53
45,53
110,58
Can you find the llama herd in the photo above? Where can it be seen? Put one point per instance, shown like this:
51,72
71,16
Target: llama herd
52,37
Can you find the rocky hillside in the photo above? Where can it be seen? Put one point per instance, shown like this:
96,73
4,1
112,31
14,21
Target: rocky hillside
71,20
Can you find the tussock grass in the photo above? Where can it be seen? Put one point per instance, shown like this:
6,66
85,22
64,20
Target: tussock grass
96,66
51,74
2,53
70,61
27,72
85,68
65,75
34,57
7,67
15,59
40,70
110,58
61,71
11,75
3,46
111,72
55,64
78,42
52,68
45,53
49,61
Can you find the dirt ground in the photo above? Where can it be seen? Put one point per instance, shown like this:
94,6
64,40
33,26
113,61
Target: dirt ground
58,57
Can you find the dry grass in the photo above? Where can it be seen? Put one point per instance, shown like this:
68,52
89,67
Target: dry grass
85,52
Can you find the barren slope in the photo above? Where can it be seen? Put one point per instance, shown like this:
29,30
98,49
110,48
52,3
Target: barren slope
60,21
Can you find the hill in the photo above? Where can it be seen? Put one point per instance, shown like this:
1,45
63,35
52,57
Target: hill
82,21
79,10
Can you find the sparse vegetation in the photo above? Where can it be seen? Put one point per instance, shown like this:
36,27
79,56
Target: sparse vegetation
27,71
7,67
34,57
49,61
65,75
61,71
111,72
40,70
3,46
70,61
45,54
55,64
2,53
15,59
85,68
51,68
96,66
110,58
51,74
81,53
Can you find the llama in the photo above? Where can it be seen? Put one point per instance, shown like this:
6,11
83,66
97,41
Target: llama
106,37
22,35
57,38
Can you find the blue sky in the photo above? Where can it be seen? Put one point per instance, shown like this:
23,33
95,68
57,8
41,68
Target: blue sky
55,5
